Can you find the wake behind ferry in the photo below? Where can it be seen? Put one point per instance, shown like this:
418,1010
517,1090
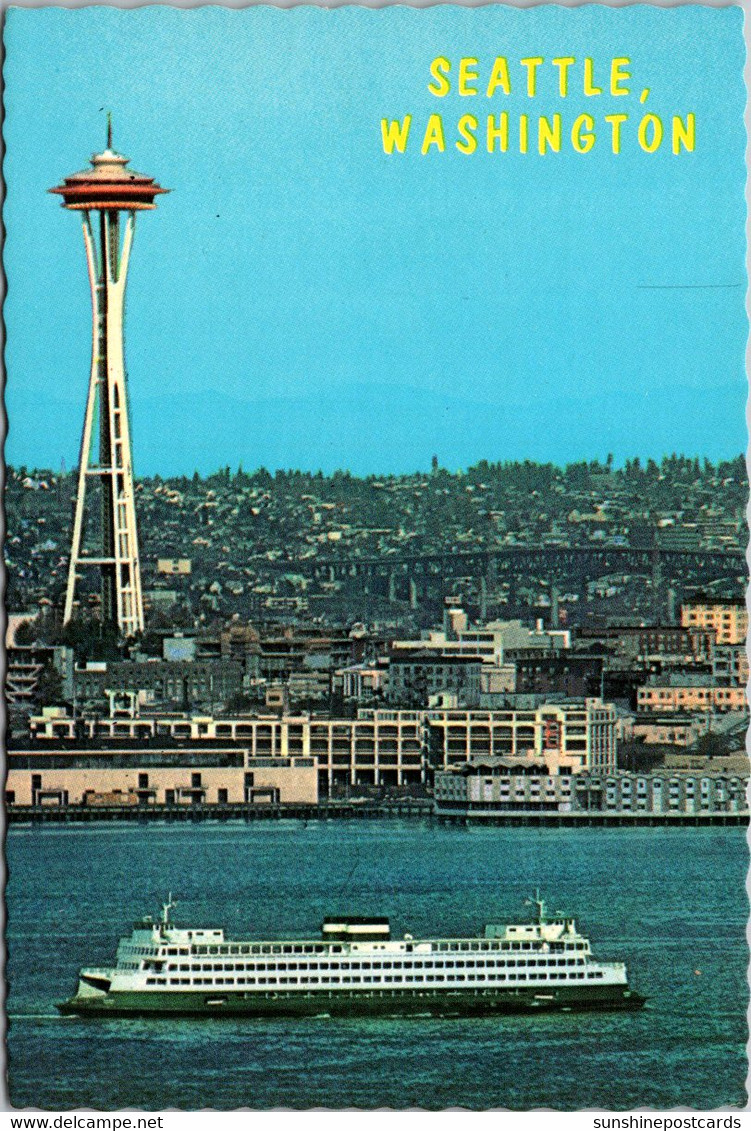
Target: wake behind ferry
356,967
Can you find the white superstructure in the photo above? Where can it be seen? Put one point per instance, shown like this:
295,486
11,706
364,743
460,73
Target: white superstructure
354,955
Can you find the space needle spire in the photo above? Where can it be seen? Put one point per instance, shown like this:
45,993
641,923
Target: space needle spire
104,528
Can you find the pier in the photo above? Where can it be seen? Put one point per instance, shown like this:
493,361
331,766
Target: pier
412,809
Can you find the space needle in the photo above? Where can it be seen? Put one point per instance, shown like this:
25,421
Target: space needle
107,195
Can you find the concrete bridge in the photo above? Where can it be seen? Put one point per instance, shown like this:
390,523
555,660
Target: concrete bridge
413,577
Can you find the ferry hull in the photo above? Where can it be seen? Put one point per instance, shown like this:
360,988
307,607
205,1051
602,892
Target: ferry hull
386,1003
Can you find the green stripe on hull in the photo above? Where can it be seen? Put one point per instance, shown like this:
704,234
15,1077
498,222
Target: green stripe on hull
342,1003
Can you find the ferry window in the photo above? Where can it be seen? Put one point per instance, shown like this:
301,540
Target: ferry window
264,950
213,950
355,966
439,965
387,966
323,965
308,950
460,978
367,978
244,950
291,965
440,978
449,964
480,977
376,966
366,966
408,965
460,963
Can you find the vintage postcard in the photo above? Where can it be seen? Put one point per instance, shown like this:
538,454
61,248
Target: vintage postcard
375,558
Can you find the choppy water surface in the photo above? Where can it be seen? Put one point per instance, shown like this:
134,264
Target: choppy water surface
670,902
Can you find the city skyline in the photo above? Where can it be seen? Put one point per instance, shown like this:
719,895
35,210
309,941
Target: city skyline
307,301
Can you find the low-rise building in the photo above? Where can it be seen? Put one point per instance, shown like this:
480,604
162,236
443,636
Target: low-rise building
556,672
414,676
487,787
575,735
730,665
165,776
175,682
727,619
664,730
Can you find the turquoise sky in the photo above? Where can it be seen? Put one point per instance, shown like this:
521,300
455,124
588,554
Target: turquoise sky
303,300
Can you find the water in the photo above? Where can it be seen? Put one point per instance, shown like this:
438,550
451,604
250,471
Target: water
669,902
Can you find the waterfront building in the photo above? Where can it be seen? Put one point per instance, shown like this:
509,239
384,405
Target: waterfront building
134,775
493,787
170,566
574,735
379,747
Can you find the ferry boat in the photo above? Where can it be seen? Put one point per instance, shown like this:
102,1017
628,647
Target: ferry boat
356,967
